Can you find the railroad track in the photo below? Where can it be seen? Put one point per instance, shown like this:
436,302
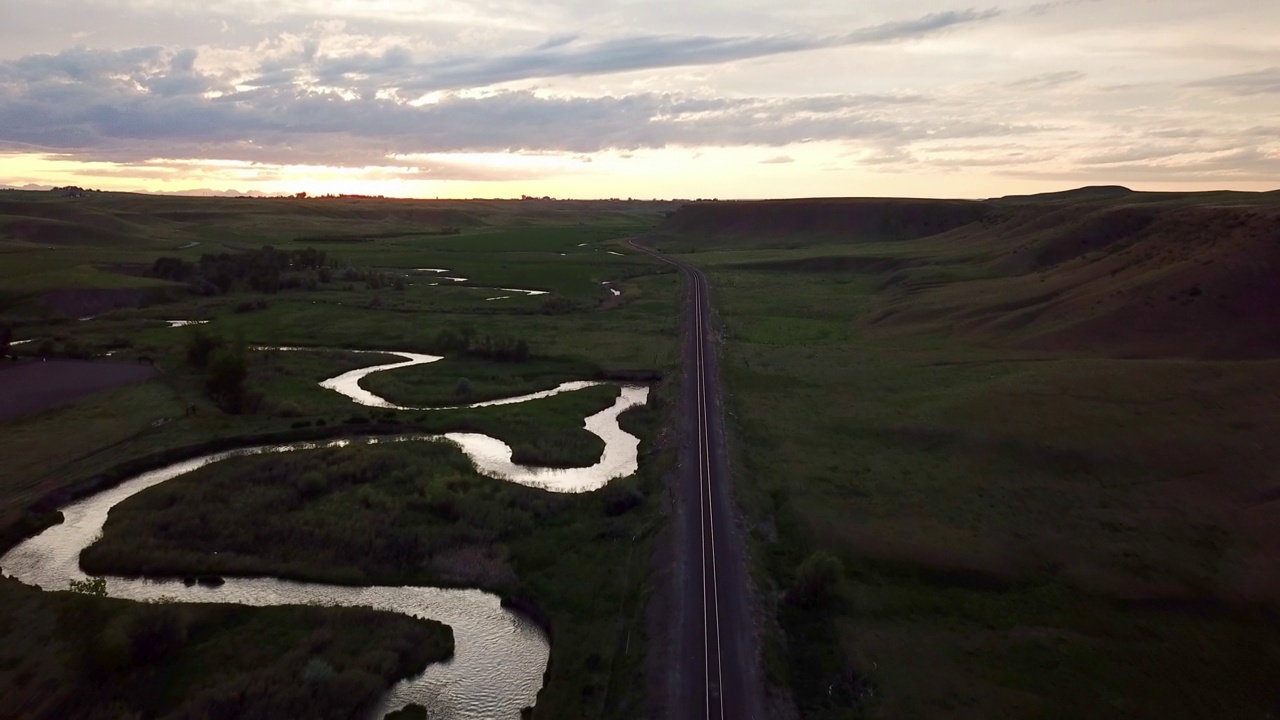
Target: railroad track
717,643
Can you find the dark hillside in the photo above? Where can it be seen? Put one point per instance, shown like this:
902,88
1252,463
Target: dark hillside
1036,454
1185,279
1099,271
842,219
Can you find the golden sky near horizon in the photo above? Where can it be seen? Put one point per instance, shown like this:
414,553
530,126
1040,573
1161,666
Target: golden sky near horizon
660,99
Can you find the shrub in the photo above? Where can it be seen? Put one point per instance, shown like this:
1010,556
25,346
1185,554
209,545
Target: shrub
288,409
247,306
201,346
156,631
317,671
816,579
412,711
95,586
72,348
619,502
556,305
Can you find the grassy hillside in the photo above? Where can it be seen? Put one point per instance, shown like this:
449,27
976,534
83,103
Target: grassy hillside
1101,271
1043,461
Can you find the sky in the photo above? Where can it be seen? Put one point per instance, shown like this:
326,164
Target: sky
640,98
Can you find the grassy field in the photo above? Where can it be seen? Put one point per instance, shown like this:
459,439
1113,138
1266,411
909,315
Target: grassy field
371,296
1024,528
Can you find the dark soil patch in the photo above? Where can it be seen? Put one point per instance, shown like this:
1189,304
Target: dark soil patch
29,387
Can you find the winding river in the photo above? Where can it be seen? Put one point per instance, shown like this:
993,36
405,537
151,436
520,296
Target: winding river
520,291
499,657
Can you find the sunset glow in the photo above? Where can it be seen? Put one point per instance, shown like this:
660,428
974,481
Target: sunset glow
734,100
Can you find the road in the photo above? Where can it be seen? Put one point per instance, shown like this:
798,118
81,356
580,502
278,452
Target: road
716,651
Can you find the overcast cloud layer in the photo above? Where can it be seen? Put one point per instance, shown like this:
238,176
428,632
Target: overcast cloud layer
835,95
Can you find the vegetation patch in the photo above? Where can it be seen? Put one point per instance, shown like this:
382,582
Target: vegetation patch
72,654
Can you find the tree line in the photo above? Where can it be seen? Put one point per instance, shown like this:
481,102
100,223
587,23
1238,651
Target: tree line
266,270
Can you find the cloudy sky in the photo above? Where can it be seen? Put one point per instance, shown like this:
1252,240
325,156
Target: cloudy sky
642,98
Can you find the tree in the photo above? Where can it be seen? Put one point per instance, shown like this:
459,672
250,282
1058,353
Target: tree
225,384
201,347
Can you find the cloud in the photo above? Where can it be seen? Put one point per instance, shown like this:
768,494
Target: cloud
1046,80
1047,7
137,104
397,93
1244,164
1251,83
562,56
556,41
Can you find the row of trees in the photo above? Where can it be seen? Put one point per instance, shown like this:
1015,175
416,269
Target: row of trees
266,270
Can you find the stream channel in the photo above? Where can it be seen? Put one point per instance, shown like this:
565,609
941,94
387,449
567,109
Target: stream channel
500,656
